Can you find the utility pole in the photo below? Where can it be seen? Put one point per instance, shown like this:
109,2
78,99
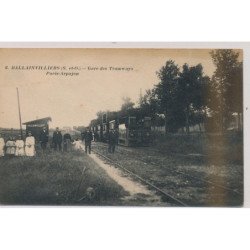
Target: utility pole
140,98
19,111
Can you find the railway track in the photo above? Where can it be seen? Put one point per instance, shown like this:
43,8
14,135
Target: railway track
185,174
157,151
151,185
194,177
211,183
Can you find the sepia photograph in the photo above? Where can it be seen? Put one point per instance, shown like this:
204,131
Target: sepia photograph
151,127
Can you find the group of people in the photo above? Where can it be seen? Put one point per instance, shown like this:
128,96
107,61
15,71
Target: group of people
65,143
112,140
77,144
17,147
59,142
20,147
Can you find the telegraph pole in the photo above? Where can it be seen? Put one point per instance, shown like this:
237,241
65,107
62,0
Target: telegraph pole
140,98
19,111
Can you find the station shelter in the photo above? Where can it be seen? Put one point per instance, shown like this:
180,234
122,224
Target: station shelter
36,126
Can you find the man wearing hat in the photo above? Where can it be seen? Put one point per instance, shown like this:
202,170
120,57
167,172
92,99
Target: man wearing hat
57,139
88,137
112,141
44,138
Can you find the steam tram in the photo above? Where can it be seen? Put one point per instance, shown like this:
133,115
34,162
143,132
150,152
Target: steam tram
131,131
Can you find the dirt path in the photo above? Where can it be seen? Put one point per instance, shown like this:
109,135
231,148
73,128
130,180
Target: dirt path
138,194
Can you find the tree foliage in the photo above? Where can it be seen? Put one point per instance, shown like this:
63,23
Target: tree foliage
226,85
127,107
166,93
190,92
149,105
186,96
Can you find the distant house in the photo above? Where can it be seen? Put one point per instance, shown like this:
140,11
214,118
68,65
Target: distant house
36,126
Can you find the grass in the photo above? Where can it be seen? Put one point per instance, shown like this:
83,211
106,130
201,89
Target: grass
53,179
226,147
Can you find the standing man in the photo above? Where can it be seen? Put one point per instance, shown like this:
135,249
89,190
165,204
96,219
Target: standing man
88,137
57,139
44,138
112,141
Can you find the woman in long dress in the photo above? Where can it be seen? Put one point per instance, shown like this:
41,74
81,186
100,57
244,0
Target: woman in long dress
2,145
30,145
19,147
10,146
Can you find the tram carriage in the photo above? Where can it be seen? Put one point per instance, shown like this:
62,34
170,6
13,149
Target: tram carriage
104,128
105,131
102,132
131,131
145,137
94,129
127,135
99,133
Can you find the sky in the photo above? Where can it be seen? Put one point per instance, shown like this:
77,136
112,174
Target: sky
96,84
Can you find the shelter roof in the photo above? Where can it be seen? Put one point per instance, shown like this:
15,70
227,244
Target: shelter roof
38,121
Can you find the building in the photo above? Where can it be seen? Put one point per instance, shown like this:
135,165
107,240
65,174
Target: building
36,126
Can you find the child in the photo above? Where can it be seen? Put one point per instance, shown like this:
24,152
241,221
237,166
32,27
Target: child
19,147
78,145
10,146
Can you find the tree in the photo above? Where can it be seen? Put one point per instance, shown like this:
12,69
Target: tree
127,107
226,79
149,105
166,89
105,116
235,92
189,94
99,115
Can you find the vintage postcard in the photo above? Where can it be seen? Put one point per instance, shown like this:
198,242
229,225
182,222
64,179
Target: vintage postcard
121,127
